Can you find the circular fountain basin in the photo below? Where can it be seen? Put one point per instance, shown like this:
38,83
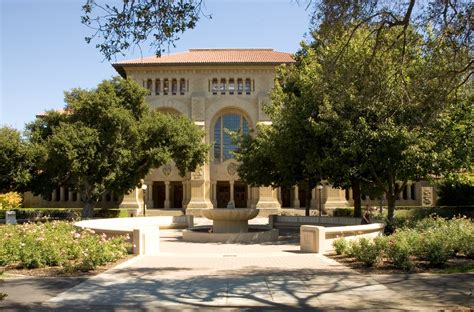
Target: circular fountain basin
230,220
230,226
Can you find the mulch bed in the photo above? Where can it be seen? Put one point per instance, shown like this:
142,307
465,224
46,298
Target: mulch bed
387,268
59,271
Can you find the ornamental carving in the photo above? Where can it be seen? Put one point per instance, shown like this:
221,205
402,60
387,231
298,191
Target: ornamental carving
166,170
426,196
232,169
198,174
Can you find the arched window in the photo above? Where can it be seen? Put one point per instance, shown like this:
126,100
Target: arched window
215,86
174,86
149,86
240,86
223,86
247,86
166,86
223,145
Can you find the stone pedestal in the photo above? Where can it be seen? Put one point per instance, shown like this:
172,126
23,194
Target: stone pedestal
335,198
268,199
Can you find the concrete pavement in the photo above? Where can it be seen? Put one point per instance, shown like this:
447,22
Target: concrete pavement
193,276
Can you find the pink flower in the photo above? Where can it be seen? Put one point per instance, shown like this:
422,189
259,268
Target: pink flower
77,235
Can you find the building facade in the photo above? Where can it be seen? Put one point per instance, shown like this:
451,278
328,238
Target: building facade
219,90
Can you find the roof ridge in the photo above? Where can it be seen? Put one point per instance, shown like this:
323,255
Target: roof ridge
230,49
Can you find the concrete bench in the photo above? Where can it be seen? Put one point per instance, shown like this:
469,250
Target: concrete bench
318,239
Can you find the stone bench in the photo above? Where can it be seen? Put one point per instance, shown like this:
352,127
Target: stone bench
319,239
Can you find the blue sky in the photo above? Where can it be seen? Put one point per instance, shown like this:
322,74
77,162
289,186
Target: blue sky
43,52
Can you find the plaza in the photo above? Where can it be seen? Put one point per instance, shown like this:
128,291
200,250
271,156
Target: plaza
276,276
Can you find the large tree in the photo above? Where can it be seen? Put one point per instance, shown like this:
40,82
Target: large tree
16,160
107,140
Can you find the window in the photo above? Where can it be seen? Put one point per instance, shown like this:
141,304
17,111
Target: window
166,86
240,86
157,87
248,86
223,85
223,145
149,86
182,86
231,86
174,86
215,86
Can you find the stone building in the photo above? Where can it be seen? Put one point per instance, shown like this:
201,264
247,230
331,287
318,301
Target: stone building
218,89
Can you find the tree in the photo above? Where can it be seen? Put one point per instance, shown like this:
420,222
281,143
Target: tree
135,21
396,108
107,140
293,149
16,159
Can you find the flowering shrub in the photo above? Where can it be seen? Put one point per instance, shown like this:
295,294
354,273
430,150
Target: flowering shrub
434,240
340,245
10,200
33,245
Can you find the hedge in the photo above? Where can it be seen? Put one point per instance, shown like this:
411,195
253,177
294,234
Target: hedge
63,213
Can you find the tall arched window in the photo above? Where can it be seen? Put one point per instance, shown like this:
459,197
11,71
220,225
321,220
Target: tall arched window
223,145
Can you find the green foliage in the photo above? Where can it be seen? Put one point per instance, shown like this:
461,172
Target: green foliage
58,244
136,22
340,245
36,214
16,159
456,190
107,140
343,212
366,251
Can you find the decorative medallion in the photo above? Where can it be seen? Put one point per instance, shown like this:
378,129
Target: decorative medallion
166,170
427,196
232,169
198,174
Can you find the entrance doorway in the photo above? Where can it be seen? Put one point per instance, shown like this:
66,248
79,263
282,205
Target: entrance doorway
286,197
222,193
240,195
176,194
158,194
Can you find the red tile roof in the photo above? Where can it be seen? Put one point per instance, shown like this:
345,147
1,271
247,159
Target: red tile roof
212,56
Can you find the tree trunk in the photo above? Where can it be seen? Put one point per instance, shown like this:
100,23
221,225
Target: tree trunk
355,184
391,200
88,210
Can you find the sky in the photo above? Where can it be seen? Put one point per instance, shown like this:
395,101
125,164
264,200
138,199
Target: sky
43,52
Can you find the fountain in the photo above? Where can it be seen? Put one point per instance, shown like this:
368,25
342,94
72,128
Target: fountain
230,225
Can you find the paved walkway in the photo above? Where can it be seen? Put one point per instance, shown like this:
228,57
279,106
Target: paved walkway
267,276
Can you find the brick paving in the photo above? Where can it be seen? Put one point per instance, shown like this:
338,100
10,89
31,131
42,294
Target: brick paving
264,276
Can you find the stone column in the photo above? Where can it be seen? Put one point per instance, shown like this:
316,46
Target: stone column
149,195
62,193
408,191
53,196
268,200
296,200
231,201
335,198
70,194
314,200
214,194
167,203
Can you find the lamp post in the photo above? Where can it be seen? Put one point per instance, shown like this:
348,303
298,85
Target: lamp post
144,187
320,188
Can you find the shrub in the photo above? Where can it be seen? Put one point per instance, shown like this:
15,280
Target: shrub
456,190
58,243
10,200
343,212
400,248
366,251
340,245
